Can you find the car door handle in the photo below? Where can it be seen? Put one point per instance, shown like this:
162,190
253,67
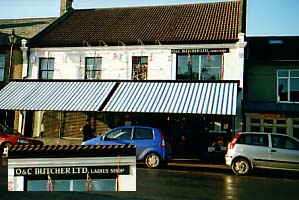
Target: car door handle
273,150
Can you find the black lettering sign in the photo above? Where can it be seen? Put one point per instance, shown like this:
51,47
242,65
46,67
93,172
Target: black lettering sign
78,170
201,51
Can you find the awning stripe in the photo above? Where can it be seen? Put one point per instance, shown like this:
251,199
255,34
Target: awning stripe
55,95
217,98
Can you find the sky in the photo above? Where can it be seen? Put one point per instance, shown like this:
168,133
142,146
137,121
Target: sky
264,17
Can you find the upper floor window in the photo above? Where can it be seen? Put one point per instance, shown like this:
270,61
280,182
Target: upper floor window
288,85
199,67
2,67
139,67
93,68
46,68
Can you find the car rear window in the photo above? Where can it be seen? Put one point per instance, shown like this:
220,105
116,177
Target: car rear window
143,134
253,139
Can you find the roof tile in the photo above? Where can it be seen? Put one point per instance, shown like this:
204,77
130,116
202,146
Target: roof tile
188,23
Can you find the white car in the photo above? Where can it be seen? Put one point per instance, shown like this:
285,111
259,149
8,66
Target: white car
249,150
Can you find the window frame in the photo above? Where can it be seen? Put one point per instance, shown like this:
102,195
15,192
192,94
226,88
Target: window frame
97,71
48,71
140,66
202,58
288,78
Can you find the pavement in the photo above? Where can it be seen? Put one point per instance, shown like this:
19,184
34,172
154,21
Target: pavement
197,163
182,164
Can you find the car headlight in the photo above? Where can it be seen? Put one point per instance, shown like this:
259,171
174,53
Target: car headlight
23,141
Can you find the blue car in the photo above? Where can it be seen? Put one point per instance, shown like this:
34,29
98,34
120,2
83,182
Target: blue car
151,145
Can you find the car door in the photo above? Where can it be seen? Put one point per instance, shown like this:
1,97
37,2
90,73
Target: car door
284,152
143,139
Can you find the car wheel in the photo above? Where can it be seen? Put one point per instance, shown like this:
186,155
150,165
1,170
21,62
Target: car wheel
241,167
152,160
5,146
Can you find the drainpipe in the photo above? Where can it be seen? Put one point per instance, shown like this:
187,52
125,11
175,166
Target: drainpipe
25,55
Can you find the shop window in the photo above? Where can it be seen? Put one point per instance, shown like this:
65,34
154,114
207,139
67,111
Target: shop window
72,185
268,121
296,132
255,129
281,121
93,68
268,129
199,67
46,68
288,85
255,121
296,122
139,67
2,67
281,130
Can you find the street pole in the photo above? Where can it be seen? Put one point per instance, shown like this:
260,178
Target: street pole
12,39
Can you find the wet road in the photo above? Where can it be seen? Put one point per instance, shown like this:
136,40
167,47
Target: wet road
183,183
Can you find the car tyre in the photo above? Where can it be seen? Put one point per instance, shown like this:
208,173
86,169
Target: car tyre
241,167
152,160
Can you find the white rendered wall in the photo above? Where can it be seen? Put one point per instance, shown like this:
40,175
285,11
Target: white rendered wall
117,61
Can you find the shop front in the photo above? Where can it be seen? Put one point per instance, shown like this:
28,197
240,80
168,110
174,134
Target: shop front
197,116
72,168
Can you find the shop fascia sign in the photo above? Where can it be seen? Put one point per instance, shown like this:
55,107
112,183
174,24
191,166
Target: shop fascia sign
70,171
201,50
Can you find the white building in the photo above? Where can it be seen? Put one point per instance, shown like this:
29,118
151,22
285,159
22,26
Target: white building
201,43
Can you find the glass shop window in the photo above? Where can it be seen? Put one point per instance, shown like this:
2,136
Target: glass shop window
199,67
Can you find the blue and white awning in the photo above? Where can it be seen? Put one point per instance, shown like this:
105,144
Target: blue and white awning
55,95
211,98
208,98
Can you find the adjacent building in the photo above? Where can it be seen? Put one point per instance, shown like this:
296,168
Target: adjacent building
271,90
13,54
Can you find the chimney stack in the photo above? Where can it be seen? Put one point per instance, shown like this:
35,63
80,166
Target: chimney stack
65,6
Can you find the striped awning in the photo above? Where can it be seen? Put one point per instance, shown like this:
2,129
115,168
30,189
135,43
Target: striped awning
211,98
55,95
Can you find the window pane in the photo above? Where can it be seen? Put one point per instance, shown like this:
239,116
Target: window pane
255,121
296,132
93,68
255,129
143,133
268,121
139,67
281,130
281,121
294,89
211,67
44,75
1,74
295,73
283,90
2,67
254,139
117,134
295,122
268,129
283,73
188,67
280,141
